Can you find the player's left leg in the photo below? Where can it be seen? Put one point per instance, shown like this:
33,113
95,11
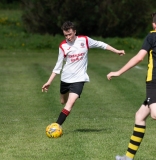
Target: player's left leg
71,101
66,110
122,158
138,133
75,90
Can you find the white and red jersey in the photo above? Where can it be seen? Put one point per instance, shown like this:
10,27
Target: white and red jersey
75,55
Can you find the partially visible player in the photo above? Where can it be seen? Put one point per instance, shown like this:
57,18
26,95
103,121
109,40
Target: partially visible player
149,105
74,51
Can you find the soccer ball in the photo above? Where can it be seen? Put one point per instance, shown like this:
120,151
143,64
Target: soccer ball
54,130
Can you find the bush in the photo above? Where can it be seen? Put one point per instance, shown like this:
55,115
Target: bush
14,37
9,4
98,18
41,16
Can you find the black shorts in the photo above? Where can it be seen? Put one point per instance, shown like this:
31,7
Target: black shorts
76,87
150,93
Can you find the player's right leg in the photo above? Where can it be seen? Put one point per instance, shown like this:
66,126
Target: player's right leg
64,98
153,110
64,92
138,133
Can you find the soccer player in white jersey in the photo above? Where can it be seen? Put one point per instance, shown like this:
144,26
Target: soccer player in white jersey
74,51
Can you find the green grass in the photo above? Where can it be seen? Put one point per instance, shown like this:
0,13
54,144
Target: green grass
101,122
99,125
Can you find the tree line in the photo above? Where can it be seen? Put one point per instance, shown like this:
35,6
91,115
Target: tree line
106,18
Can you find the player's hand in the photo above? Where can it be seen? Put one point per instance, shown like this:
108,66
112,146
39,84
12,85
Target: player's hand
121,52
45,87
112,74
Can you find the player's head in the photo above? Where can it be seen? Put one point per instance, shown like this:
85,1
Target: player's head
68,25
69,31
154,20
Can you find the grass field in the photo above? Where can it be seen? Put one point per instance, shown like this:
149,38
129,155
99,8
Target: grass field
99,125
101,122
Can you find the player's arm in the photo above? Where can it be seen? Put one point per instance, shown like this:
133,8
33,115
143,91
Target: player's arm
56,70
48,83
110,48
99,44
131,63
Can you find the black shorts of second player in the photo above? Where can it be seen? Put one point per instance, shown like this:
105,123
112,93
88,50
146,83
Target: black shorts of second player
150,93
76,87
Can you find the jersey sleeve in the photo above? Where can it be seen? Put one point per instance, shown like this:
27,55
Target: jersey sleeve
59,63
96,44
147,44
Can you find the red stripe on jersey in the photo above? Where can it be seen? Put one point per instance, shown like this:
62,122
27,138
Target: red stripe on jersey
86,40
63,42
66,112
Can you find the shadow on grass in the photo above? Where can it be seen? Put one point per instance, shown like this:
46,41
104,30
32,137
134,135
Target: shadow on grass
93,130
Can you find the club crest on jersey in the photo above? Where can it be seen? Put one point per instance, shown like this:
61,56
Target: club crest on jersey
82,45
68,48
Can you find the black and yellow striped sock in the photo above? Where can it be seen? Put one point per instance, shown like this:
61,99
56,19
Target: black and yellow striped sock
135,140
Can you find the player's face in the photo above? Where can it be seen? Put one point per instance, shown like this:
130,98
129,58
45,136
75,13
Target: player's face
154,26
70,35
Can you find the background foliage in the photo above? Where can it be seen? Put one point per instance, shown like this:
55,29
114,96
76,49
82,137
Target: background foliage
106,18
14,37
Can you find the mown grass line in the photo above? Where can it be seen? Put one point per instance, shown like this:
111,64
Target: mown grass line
24,113
98,127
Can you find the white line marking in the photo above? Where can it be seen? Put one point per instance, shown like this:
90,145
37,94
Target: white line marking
137,67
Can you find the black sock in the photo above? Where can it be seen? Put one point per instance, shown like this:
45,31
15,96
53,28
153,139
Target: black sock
62,117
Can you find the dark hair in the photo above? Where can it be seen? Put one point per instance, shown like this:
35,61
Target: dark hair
154,17
68,25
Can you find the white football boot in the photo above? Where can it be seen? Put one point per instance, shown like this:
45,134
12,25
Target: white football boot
122,158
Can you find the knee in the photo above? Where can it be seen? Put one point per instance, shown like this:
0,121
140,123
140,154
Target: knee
138,116
153,116
62,102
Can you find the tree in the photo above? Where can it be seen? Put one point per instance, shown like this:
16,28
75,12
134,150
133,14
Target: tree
106,18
